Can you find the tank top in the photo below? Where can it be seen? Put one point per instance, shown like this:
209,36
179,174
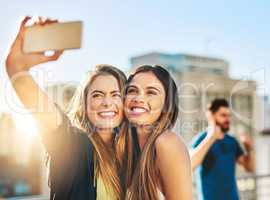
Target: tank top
102,192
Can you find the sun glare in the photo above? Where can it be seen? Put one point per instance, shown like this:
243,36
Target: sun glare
26,127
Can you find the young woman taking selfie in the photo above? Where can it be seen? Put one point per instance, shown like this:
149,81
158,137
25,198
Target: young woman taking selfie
82,147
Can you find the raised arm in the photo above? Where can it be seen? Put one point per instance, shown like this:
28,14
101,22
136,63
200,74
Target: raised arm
198,153
174,165
30,94
247,160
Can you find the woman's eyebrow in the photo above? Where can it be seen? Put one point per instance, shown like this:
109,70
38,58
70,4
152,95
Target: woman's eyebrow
115,91
153,88
97,91
132,86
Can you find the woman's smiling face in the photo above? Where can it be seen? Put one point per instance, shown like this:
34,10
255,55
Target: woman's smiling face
104,102
145,97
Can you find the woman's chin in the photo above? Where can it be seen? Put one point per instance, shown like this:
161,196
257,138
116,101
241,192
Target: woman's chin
108,126
137,122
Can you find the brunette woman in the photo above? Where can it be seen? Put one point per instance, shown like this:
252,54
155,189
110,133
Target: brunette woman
160,165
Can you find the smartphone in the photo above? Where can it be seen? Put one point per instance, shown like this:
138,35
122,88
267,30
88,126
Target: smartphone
56,36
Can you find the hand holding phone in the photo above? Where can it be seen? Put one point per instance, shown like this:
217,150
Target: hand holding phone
17,60
53,36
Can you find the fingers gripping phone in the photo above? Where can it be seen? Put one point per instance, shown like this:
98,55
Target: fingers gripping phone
55,36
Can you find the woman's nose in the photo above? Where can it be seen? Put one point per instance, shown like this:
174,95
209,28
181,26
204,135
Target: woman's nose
106,102
138,98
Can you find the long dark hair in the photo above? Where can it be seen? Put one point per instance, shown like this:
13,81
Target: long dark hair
141,174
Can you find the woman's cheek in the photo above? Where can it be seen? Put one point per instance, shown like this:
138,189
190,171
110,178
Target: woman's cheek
156,105
95,103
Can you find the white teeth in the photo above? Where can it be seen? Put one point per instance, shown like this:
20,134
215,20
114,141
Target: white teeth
139,110
107,114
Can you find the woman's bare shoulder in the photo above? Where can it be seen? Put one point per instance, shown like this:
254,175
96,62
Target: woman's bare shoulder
169,143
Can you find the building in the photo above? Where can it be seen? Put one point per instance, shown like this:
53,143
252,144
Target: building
184,63
61,93
265,113
263,164
200,80
7,135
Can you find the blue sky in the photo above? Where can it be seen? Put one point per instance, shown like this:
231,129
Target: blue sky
115,30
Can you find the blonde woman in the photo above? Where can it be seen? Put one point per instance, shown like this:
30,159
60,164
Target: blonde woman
159,165
83,160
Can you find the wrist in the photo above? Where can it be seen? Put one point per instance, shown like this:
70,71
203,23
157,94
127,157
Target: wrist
211,137
249,150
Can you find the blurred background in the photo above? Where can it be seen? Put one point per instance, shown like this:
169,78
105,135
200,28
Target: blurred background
212,48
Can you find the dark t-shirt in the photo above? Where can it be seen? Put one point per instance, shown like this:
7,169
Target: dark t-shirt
71,164
215,177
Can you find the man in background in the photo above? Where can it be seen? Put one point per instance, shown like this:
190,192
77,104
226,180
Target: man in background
215,153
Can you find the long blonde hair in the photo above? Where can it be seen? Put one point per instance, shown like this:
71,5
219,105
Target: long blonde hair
142,174
106,161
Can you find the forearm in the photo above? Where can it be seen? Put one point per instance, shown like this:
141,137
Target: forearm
18,64
197,155
35,100
250,162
